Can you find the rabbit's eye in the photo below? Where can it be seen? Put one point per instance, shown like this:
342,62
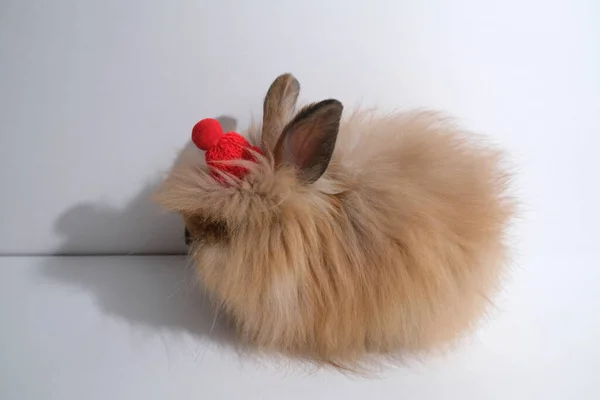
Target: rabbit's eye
188,237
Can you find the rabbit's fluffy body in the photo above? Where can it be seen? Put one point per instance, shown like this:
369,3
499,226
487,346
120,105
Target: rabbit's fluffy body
394,249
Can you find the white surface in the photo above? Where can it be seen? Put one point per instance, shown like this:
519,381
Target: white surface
96,99
131,328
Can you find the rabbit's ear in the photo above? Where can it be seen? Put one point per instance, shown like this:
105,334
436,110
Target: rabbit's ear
307,142
278,108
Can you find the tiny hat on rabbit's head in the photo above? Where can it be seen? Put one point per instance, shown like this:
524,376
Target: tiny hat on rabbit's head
208,135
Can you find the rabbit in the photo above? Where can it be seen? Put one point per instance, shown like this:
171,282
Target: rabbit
368,235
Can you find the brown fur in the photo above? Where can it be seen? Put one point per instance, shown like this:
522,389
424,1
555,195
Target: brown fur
394,250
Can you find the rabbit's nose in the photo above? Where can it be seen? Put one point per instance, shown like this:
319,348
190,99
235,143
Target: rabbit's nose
188,239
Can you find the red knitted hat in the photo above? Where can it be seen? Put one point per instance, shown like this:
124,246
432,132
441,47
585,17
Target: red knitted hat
208,135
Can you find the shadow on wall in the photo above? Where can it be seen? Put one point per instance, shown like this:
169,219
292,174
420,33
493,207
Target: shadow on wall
155,293
141,227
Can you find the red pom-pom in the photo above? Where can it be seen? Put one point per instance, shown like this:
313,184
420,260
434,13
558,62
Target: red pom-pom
208,136
230,147
206,133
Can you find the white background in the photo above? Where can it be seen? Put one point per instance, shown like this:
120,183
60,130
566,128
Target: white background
97,99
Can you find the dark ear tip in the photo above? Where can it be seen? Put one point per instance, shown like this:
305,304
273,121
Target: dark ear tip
334,103
332,106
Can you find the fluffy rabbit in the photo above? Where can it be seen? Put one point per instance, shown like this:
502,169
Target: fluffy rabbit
368,235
